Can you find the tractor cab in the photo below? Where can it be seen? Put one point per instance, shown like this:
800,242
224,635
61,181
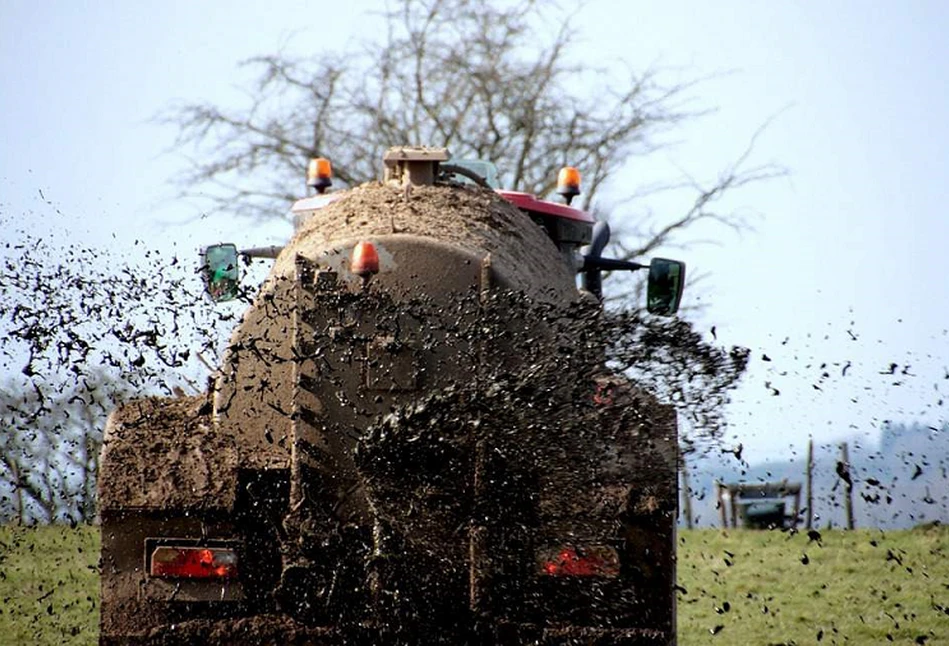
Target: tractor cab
569,228
579,236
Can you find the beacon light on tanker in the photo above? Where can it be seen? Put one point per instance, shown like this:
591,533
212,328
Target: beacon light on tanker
568,183
319,174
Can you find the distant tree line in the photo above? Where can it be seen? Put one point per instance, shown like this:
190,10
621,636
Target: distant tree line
49,447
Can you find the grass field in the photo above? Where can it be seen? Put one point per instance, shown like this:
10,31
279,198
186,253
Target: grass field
862,587
49,585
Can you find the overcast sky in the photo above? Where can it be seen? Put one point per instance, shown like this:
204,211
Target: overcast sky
848,257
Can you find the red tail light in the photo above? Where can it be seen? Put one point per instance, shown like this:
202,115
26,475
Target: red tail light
194,562
599,560
603,395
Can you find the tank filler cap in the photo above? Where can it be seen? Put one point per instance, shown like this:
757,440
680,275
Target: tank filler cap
413,165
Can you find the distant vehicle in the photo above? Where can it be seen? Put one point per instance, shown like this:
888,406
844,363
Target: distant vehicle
408,441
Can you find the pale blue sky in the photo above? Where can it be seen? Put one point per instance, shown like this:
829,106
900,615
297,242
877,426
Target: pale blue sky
856,232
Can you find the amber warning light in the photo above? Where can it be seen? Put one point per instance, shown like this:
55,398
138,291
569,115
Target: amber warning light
319,174
568,183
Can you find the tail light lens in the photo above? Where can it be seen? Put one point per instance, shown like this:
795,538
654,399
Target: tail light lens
194,562
568,560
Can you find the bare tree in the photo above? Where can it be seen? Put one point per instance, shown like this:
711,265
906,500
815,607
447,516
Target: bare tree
50,446
489,80
80,331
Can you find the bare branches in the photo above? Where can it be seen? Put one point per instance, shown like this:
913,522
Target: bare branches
702,208
487,80
49,447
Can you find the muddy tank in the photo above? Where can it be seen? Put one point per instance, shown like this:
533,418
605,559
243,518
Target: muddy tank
412,439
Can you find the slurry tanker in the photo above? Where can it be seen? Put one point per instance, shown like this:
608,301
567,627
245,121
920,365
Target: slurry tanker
414,437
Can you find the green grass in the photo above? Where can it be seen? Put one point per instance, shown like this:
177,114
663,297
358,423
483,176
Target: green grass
862,587
49,585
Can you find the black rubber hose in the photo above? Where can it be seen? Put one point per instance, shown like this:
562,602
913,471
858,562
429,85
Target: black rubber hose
464,172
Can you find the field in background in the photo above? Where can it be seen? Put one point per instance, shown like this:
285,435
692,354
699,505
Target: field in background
738,587
49,585
860,587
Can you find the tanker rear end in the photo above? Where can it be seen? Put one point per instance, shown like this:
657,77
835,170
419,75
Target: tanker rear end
411,439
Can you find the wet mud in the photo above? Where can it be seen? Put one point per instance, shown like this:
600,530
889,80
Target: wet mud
472,218
395,509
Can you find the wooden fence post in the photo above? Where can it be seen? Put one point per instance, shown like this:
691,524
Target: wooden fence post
810,483
848,485
686,491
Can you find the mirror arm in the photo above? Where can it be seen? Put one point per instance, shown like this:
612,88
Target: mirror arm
609,264
452,169
262,252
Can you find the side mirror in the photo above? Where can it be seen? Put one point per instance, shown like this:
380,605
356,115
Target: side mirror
220,272
664,289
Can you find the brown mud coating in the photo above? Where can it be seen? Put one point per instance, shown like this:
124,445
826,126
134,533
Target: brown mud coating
532,440
180,434
261,629
473,218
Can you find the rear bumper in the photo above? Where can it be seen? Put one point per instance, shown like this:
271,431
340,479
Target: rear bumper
266,630
257,630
